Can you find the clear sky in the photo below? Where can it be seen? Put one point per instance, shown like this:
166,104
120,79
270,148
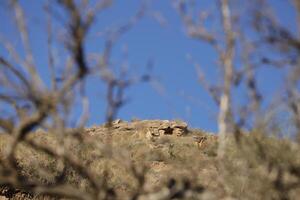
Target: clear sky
179,95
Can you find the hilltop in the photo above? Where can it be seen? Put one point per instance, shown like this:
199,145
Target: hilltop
157,159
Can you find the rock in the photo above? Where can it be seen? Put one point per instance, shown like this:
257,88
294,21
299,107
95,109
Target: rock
200,140
179,131
177,128
157,128
151,128
179,124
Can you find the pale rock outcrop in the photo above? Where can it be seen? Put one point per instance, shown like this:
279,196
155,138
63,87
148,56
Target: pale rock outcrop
151,128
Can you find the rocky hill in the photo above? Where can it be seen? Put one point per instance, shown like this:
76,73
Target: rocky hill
156,159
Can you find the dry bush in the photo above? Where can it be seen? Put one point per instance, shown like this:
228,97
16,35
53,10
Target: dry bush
262,167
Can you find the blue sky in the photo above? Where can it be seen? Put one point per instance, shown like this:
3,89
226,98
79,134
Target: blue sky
168,47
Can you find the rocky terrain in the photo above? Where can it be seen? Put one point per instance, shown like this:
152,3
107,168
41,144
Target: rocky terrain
161,146
158,159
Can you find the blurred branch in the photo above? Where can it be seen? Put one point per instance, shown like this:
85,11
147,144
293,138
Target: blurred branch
225,113
29,64
194,30
225,55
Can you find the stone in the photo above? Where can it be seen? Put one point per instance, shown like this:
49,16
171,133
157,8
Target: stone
167,127
179,124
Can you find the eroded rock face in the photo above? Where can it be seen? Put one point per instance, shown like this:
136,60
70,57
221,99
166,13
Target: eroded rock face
165,127
152,128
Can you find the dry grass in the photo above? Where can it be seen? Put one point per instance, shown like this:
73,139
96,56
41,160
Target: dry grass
258,167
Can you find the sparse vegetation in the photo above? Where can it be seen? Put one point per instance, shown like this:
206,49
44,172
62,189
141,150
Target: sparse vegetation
44,154
259,167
